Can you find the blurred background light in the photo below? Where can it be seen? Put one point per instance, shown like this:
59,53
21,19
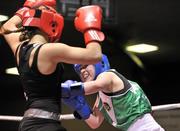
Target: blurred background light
12,71
141,48
3,18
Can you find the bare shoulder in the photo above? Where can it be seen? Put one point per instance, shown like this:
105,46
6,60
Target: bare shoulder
106,74
46,64
105,78
111,81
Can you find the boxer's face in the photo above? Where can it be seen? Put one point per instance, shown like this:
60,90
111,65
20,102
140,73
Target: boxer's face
87,73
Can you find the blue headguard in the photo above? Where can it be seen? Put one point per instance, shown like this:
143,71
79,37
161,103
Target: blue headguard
100,67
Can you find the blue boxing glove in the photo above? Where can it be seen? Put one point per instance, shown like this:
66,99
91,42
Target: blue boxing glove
79,105
65,91
71,88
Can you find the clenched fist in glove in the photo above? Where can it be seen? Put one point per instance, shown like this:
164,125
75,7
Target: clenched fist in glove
79,105
71,88
88,21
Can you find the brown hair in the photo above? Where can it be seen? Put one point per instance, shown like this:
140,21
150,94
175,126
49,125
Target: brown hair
27,33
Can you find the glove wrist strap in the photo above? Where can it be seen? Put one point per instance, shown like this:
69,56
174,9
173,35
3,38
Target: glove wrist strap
93,35
77,89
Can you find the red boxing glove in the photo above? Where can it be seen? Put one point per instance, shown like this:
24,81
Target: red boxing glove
88,21
21,11
37,3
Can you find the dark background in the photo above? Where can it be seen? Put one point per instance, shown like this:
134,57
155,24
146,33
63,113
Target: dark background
130,22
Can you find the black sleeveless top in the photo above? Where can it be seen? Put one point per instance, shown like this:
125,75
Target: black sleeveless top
41,91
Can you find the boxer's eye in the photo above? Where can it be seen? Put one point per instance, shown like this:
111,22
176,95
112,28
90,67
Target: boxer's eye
83,67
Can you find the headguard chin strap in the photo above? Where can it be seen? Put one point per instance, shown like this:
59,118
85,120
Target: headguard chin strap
100,67
47,20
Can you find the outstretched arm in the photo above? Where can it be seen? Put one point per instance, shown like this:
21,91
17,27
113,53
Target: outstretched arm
102,83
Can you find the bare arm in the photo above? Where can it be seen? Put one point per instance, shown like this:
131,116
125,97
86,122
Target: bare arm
102,83
96,118
107,82
93,36
11,38
59,52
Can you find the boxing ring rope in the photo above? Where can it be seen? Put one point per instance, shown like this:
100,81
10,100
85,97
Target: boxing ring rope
71,116
166,107
19,118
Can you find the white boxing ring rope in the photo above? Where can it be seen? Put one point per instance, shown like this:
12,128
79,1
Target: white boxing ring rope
71,116
166,107
19,118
